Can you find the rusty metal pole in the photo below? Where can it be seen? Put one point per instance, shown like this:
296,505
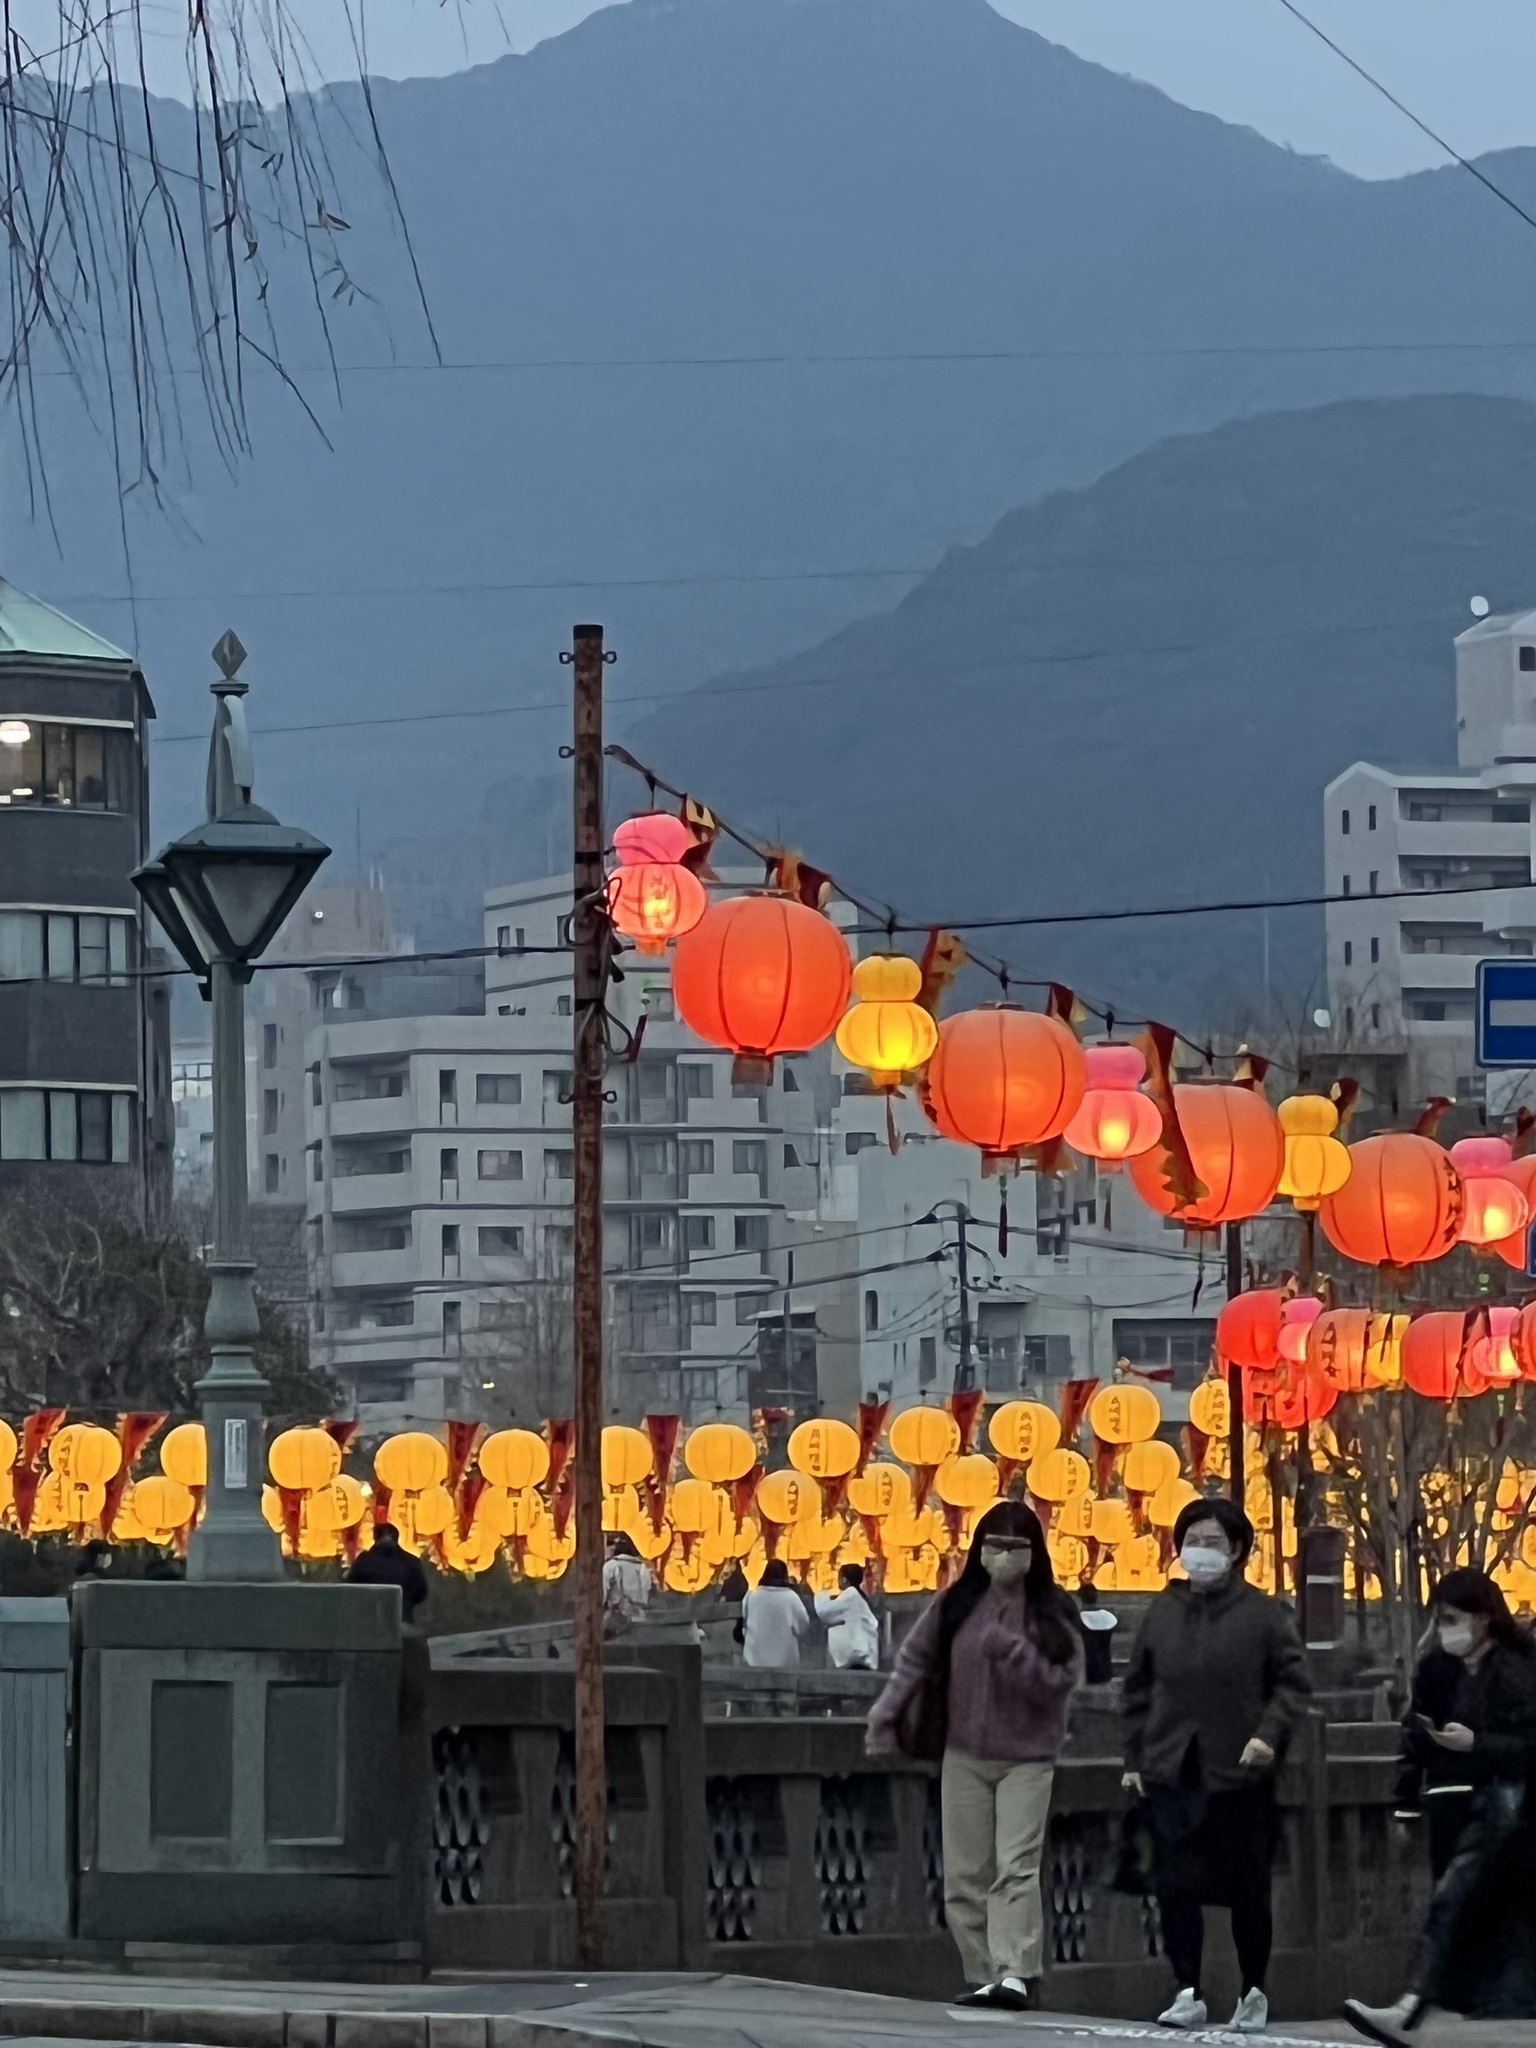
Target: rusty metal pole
589,942
1235,1372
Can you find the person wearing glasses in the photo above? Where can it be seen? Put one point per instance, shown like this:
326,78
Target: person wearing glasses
983,1682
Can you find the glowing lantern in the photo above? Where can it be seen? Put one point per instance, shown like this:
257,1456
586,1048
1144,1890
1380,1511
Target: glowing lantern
471,1554
1169,1502
85,1457
302,1459
1493,1358
823,1449
1403,1202
1522,1172
620,1508
719,1452
694,1507
787,1497
880,1490
1336,1350
817,1536
184,1454
924,1437
1316,1164
1109,1521
1523,1340
1248,1329
1296,1323
1002,1077
968,1482
1114,1121
1496,1208
683,1573
652,897
907,1529
161,1506
1074,1517
551,1549
498,1511
513,1458
761,975
627,1456
1068,1554
887,1032
341,1505
651,1543
1149,1467
1124,1414
1236,1147
1210,1408
1059,1475
411,1462
1432,1348
8,1447
419,1516
1023,1430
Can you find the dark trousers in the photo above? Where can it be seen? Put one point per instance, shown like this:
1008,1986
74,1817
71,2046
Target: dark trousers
1213,1848
1495,1815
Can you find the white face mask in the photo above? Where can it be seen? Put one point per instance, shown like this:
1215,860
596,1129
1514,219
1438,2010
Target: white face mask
1205,1567
1458,1637
1005,1567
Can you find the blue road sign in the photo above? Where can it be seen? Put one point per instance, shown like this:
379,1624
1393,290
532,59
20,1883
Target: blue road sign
1506,1013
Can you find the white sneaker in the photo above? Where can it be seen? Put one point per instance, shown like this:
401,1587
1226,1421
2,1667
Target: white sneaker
1185,2011
1252,2014
1392,2025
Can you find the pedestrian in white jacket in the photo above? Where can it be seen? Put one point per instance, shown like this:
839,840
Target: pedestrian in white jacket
853,1633
774,1618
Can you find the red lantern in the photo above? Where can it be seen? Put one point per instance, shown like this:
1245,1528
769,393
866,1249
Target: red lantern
1237,1149
1432,1354
1522,1341
761,975
1403,1202
652,897
1114,1120
1497,1209
1287,1399
1248,1329
1337,1346
1296,1327
1522,1172
1002,1078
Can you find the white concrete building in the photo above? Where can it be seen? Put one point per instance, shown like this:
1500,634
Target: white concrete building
1401,971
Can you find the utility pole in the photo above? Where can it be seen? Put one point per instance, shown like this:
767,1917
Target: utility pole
965,1372
590,939
1235,1372
789,1329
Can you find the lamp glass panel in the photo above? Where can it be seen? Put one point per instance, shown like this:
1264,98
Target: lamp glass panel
196,930
245,893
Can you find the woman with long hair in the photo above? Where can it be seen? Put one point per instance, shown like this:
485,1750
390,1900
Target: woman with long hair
1216,1677
1476,1728
983,1682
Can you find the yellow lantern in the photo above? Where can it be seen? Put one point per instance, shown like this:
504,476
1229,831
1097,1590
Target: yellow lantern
788,1497
513,1459
497,1511
719,1452
1169,1502
907,1529
824,1448
471,1554
271,1509
1073,1517
879,1490
160,1506
685,1573
1316,1164
301,1460
184,1454
49,1508
651,1543
85,1456
341,1505
620,1508
968,1482
924,1437
696,1508
816,1538
8,1446
1068,1554
543,1568
627,1456
1024,1430
887,1032
543,1543
410,1462
1210,1408
1110,1522
854,1548
1059,1476
1148,1466
1124,1414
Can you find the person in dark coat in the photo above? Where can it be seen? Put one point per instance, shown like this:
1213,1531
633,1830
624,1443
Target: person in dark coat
384,1563
1433,1782
1216,1678
1478,1954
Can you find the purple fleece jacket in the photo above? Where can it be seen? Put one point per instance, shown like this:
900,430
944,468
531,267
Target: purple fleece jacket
1007,1702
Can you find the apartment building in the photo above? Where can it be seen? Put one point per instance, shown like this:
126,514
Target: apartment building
1435,867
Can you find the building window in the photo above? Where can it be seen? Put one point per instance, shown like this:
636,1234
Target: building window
696,1155
503,938
353,1161
270,1175
77,767
317,1162
499,1165
59,946
1349,1019
371,1233
1372,882
66,1124
501,1241
748,1307
871,1309
447,1096
1346,824
855,1142
268,1111
450,1251
1346,885
791,1082
698,1081
1375,951
1349,952
1370,819
559,1165
700,1310
448,1171
1178,1347
1375,1016
500,1088
453,1327
362,1085
562,1006
927,1360
269,1045
698,1233
659,1005
315,1095
751,1233
749,1156
1528,657
655,1227
791,1156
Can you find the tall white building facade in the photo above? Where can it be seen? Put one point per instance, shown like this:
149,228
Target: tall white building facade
1434,865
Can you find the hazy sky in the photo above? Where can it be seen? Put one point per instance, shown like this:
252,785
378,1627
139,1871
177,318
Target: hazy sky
1464,65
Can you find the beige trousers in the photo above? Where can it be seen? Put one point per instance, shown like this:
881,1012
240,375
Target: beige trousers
994,1830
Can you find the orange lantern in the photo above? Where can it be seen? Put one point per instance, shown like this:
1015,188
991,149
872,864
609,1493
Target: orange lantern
968,1482
1432,1347
1497,1208
1149,1466
695,1508
880,1490
887,1032
1109,1521
1210,1408
1352,1348
1124,1414
1296,1320
1058,1476
626,1456
788,1497
511,1458
824,1448
719,1452
84,1456
1248,1329
1316,1164
184,1454
410,1462
1024,1430
761,975
924,1437
1114,1121
1403,1202
162,1505
1002,1078
300,1460
1522,1171
652,897
1236,1147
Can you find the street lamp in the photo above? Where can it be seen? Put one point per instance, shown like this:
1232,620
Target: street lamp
220,893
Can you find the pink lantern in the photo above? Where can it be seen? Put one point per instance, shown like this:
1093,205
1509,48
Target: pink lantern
652,897
1114,1120
1492,1359
1496,1206
1296,1322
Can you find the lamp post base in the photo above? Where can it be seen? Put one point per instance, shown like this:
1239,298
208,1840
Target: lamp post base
233,1541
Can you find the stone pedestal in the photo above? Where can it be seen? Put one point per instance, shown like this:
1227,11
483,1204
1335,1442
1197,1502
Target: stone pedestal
239,1768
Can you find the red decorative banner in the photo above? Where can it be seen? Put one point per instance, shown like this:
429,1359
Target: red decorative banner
343,1433
462,1437
872,1416
965,1407
1156,1044
560,1435
471,1486
1075,1396
24,1481
663,1433
743,1493
36,1430
1197,1446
